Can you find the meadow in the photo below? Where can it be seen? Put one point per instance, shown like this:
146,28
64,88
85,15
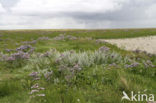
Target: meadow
73,66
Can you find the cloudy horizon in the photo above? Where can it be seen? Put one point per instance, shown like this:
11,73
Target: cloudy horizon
80,14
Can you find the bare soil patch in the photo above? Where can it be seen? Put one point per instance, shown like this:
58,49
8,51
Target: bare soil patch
147,44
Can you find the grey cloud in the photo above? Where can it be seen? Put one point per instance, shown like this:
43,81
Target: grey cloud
8,3
130,11
131,14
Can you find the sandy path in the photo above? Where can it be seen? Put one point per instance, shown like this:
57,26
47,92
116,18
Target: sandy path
142,43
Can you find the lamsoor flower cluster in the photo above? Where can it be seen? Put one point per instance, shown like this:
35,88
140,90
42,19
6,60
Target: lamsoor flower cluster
69,63
35,89
81,59
24,48
135,64
35,41
65,37
18,56
22,53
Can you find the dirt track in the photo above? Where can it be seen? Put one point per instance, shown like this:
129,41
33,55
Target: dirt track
142,43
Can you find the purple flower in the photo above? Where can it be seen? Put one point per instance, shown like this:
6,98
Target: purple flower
113,65
58,60
10,59
62,55
63,37
34,91
104,49
72,51
132,65
60,37
137,51
25,56
35,86
46,54
31,50
24,48
41,88
77,67
8,50
36,78
71,37
43,38
20,55
148,63
34,74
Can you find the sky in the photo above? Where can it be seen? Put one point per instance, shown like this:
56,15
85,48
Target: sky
77,14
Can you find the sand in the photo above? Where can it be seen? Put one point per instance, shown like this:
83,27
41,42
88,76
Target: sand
147,44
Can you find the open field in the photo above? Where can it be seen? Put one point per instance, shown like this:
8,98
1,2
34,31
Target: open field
73,66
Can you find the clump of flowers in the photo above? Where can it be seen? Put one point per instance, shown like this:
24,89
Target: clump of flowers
60,37
70,37
77,67
65,37
35,41
19,57
9,50
46,54
148,63
113,65
43,38
69,72
34,75
135,64
137,51
146,53
35,89
81,59
24,48
16,56
104,49
70,63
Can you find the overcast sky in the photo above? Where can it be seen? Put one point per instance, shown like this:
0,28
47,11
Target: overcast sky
52,14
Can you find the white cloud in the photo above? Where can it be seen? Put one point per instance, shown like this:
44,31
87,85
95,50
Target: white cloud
9,21
2,10
55,6
151,11
21,13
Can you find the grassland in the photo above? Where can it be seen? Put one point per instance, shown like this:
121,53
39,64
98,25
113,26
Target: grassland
73,67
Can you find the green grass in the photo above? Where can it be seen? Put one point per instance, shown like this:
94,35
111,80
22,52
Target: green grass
96,83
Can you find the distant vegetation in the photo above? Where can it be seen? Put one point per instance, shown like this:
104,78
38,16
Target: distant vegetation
72,66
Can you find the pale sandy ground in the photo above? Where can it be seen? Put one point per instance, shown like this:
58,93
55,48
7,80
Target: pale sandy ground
147,44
